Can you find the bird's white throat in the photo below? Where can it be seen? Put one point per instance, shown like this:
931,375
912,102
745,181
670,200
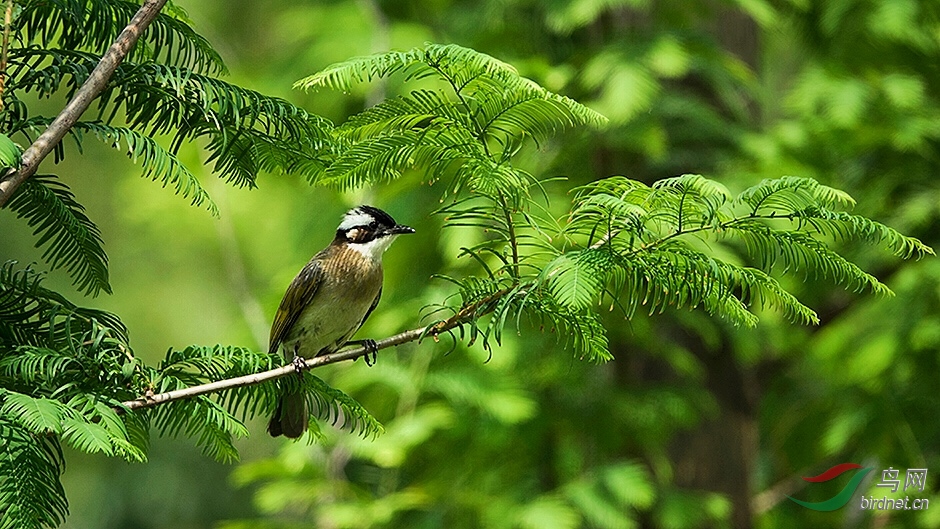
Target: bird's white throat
375,248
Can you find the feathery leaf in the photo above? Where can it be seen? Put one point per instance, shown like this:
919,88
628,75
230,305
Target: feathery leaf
31,494
92,25
74,241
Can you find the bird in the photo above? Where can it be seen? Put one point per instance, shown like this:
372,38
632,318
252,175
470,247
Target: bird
328,301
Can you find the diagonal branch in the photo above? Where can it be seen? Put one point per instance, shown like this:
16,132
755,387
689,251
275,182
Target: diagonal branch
4,50
467,313
149,401
90,89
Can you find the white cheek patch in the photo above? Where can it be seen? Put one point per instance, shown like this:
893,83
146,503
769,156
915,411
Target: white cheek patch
375,248
355,217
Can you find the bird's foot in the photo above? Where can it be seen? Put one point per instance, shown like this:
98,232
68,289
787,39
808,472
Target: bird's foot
372,350
299,365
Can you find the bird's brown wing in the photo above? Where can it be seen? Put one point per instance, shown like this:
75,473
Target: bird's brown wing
299,294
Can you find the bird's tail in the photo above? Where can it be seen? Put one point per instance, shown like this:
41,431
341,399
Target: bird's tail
290,417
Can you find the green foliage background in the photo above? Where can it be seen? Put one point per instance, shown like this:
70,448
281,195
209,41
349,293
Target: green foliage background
696,423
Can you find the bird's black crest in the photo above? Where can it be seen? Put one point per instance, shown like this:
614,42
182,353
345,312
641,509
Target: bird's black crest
364,223
383,218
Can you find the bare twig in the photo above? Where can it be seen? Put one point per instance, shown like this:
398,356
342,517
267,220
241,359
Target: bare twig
5,48
257,378
462,316
512,236
90,90
605,239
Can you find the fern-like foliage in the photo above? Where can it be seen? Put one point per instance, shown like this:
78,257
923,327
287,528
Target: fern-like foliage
63,369
92,26
212,424
627,245
158,163
72,241
642,245
166,87
32,315
216,423
332,405
466,133
467,130
31,495
158,99
624,243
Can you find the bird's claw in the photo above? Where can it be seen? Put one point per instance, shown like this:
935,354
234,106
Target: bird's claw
299,365
372,351
373,348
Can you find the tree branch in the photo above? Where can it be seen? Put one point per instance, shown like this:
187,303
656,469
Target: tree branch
257,378
90,89
709,227
513,244
5,48
473,310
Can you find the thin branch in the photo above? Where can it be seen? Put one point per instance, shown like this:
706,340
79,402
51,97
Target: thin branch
481,131
710,227
257,378
92,87
512,236
462,316
5,49
605,239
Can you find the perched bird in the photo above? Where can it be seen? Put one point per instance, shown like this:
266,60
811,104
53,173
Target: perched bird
329,300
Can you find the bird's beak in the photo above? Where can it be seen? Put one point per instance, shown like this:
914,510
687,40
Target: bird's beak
400,230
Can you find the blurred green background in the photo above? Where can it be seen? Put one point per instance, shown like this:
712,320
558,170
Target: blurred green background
696,423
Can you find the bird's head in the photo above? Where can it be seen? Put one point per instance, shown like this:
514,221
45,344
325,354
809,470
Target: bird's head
369,230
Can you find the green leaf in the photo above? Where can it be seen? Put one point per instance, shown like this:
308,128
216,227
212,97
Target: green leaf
10,152
489,104
94,25
653,239
39,415
247,132
74,241
846,226
591,501
86,436
342,75
48,331
630,484
791,193
575,278
328,403
31,494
